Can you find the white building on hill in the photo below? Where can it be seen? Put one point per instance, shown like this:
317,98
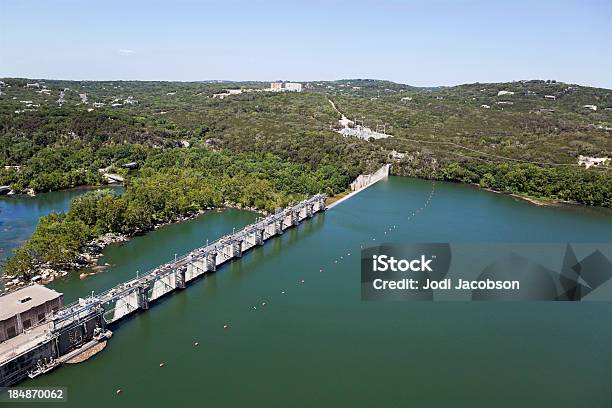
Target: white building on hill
286,86
293,86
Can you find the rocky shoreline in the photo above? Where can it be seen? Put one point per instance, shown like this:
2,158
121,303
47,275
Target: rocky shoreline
540,202
45,273
92,252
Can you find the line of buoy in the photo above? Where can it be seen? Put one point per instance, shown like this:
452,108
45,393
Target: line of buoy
226,326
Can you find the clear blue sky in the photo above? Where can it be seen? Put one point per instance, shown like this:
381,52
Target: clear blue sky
414,42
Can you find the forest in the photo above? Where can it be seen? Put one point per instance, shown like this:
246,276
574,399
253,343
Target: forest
263,150
521,179
171,184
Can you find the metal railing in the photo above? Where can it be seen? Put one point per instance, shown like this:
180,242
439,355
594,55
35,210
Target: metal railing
75,310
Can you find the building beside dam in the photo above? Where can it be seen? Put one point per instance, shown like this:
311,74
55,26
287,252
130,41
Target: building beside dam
67,333
37,330
27,307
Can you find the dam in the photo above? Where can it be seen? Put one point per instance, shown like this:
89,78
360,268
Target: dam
83,325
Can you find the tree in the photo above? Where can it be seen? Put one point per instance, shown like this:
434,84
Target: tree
22,263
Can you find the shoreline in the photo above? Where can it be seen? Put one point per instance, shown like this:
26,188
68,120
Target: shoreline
333,200
537,201
81,187
540,202
92,251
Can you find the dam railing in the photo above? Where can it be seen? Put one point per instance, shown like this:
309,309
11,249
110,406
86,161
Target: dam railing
137,293
79,325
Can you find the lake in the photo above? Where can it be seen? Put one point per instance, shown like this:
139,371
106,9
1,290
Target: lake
317,344
19,215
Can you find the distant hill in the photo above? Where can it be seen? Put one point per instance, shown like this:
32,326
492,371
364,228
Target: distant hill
69,126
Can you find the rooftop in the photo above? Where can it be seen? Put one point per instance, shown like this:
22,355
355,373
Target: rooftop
23,342
24,299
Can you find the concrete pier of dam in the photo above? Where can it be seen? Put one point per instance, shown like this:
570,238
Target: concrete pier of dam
80,326
364,181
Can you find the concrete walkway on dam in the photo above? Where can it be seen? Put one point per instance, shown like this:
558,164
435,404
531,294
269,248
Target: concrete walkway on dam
82,324
362,182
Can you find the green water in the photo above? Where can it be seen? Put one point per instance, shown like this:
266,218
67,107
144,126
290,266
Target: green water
318,344
19,215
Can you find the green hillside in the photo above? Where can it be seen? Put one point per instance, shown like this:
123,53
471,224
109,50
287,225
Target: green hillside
61,132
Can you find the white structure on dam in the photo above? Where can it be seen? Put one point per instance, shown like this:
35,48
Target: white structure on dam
79,326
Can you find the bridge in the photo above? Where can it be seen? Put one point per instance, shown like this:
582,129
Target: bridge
81,324
138,293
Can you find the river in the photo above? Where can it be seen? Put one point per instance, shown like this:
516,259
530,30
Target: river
317,344
20,214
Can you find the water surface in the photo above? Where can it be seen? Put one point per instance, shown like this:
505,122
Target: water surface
318,344
19,215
